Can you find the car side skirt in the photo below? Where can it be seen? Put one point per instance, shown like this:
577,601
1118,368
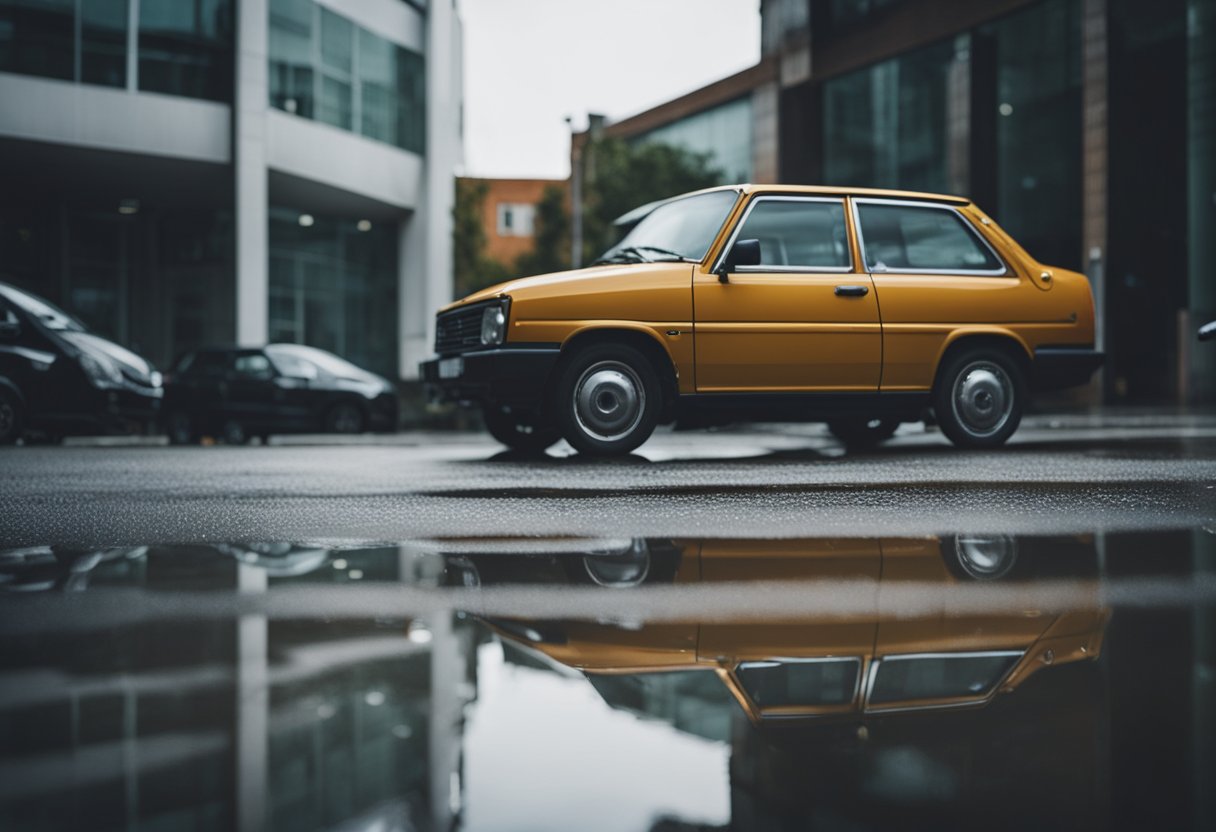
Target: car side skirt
718,408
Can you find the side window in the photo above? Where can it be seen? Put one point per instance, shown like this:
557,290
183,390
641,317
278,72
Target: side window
207,363
253,365
898,237
293,366
798,234
820,683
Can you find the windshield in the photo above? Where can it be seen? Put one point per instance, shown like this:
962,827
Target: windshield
328,362
49,315
679,230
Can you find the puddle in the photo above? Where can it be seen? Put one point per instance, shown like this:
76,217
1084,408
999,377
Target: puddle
612,683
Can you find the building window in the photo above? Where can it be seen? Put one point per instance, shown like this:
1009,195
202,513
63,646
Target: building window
894,124
38,38
516,219
333,285
1038,135
724,133
185,48
326,68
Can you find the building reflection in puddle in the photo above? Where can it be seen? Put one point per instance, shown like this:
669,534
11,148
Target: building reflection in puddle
449,720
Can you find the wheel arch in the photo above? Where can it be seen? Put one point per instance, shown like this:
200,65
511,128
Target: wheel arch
641,338
1002,340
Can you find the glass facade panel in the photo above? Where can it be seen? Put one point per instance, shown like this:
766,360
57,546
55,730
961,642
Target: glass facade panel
37,37
334,287
891,125
103,42
186,48
799,234
1039,130
291,74
324,67
724,132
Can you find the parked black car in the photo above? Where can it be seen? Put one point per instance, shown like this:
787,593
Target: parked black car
235,394
57,378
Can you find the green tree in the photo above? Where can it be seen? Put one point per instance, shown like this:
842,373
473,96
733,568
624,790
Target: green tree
619,176
472,269
551,247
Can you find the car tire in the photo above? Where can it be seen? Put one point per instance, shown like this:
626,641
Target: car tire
179,428
518,434
344,417
979,397
12,417
234,433
607,400
863,433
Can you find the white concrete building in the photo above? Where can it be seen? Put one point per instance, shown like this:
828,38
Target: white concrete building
188,172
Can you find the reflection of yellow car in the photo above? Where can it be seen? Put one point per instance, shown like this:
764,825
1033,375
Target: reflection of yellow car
852,306
867,663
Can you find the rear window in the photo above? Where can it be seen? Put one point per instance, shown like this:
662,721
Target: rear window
921,238
912,678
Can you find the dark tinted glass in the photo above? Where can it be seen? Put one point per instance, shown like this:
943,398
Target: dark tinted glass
103,42
908,237
37,37
186,48
938,677
814,683
798,233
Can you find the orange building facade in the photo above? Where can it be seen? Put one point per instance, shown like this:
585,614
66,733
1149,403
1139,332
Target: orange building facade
508,214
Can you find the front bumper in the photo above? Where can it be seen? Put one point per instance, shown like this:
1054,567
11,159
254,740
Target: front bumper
1057,368
508,376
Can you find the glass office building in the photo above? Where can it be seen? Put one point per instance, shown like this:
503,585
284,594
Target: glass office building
1086,127
216,171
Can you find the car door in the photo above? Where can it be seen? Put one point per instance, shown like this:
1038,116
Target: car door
804,319
249,389
933,272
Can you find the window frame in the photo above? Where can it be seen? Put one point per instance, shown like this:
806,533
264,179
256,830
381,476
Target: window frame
762,269
1004,271
928,703
802,710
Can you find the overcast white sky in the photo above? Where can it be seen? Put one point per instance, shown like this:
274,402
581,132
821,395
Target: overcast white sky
530,63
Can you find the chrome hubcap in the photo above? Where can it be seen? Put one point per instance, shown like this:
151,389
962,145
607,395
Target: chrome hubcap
608,400
983,398
985,557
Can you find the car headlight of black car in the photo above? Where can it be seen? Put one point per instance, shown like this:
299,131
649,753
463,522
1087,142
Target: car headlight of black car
494,324
101,371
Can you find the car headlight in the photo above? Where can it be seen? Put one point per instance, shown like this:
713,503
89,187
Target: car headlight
493,325
101,371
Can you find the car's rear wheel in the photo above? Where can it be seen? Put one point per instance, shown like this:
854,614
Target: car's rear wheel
863,433
608,399
12,417
344,417
519,433
979,397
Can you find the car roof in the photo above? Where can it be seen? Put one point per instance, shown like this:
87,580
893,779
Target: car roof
636,215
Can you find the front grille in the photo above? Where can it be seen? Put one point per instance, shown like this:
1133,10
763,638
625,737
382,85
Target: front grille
458,330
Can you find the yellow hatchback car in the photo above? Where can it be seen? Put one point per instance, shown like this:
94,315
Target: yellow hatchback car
860,308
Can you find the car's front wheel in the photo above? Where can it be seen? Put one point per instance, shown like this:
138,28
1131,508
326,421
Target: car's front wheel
608,399
519,433
979,397
12,417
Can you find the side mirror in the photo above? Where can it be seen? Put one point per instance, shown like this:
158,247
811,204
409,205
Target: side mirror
9,330
742,253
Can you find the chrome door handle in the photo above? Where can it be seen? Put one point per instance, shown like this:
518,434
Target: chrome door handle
852,291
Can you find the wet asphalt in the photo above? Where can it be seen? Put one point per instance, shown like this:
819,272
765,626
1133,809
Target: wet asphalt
1060,474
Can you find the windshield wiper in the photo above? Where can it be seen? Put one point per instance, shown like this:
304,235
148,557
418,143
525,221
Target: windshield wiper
633,254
